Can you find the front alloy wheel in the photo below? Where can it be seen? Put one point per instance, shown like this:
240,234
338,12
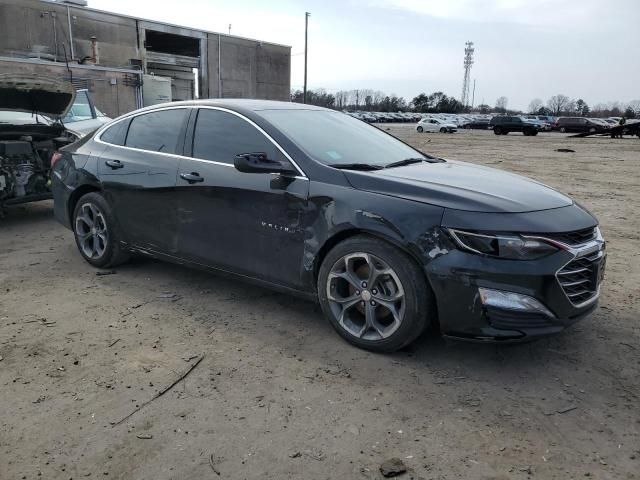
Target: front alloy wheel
374,294
366,296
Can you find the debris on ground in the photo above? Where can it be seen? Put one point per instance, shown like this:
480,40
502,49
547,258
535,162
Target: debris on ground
567,409
102,273
161,392
212,464
565,150
392,468
144,436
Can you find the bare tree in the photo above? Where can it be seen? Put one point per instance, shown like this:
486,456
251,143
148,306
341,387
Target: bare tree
501,104
535,105
558,104
635,106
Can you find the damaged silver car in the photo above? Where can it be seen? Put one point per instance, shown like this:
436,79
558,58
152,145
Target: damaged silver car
32,109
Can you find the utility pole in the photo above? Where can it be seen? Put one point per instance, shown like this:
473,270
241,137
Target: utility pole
306,29
229,29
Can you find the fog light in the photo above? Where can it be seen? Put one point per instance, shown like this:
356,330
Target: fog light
512,301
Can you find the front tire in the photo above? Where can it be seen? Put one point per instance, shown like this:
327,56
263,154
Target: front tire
563,130
443,130
497,130
420,129
375,296
96,232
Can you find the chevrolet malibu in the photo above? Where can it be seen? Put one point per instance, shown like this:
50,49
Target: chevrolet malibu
389,240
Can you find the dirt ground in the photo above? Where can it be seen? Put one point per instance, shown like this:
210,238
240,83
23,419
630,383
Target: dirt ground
279,395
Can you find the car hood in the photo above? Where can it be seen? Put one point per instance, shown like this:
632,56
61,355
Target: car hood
461,186
35,93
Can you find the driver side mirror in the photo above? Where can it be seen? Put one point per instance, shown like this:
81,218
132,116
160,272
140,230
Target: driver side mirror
259,163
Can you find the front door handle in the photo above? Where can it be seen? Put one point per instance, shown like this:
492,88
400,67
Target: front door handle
114,164
192,177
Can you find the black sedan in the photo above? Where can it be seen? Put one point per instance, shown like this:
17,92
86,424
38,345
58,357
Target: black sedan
310,201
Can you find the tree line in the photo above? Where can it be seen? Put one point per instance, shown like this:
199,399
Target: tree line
439,102
562,105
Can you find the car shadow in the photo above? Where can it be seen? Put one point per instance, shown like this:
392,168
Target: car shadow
27,214
298,328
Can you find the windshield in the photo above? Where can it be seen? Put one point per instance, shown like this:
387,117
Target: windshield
23,118
335,138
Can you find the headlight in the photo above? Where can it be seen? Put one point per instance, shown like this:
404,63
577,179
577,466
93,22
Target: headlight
513,247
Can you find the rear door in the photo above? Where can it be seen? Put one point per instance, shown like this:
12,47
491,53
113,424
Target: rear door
247,223
139,176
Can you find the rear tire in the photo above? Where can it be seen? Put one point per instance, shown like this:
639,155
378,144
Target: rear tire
563,130
384,315
420,129
443,130
497,130
96,232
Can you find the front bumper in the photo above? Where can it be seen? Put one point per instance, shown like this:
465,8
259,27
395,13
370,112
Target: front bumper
457,276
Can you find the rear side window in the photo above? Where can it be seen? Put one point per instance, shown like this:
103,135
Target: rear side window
115,134
220,136
157,131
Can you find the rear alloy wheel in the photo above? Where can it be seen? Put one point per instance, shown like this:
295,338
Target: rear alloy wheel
443,130
592,130
497,130
420,129
374,295
563,130
96,232
91,231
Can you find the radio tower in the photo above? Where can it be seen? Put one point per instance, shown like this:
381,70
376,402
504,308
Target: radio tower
468,61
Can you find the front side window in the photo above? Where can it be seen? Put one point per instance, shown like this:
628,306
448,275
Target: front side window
157,131
80,110
334,138
220,136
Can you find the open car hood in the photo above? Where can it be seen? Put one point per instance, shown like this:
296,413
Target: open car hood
35,93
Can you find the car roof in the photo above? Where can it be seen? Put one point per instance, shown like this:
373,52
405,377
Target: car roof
241,104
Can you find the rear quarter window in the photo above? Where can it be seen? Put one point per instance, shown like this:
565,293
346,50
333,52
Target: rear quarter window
157,131
116,133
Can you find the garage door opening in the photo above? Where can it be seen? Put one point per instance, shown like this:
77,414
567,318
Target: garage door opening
172,44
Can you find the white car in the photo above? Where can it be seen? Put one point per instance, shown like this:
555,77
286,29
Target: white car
435,125
83,117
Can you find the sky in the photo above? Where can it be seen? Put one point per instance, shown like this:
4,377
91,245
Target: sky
524,49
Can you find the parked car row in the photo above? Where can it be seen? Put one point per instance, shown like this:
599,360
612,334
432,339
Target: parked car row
385,117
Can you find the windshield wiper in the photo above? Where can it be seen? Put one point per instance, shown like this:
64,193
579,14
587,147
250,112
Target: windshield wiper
406,161
356,166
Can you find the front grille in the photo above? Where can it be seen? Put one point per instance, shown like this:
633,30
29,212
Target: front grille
577,237
581,277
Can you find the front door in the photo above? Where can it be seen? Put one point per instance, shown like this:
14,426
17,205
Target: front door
242,222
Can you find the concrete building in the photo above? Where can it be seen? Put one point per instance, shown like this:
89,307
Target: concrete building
129,62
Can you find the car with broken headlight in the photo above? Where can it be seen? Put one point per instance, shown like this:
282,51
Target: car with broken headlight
391,241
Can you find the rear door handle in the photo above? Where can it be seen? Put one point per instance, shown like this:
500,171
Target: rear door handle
114,164
192,177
